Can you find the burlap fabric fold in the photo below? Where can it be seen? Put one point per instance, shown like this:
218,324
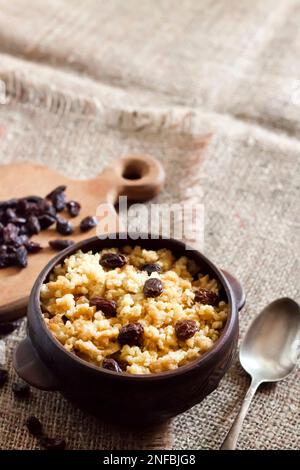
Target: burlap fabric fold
210,88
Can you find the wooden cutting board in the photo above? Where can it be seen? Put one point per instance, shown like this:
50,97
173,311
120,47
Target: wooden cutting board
138,177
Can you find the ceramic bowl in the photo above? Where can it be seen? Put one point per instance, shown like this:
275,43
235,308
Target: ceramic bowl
146,399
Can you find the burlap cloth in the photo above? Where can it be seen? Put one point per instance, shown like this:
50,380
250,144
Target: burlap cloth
88,81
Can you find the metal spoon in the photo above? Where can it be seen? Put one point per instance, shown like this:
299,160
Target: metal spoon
268,353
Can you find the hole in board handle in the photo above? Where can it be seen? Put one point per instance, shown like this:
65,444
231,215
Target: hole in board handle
135,170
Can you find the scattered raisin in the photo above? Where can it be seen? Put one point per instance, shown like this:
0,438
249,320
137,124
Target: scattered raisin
108,307
151,268
73,208
52,443
88,223
7,328
10,215
206,297
64,319
46,207
132,334
185,329
111,364
59,244
112,260
33,247
57,197
34,426
21,240
10,203
64,227
27,216
153,287
3,376
46,220
3,250
58,190
10,233
7,259
22,257
33,225
20,389
23,230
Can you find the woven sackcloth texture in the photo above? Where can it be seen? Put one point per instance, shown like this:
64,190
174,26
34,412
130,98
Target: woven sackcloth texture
212,89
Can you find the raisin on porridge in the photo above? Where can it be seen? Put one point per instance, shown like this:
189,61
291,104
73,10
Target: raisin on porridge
133,311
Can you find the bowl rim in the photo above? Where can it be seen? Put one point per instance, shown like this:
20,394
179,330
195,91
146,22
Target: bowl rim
35,311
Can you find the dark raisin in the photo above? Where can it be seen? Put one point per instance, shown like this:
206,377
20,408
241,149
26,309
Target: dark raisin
33,247
20,389
22,257
21,240
6,204
8,259
206,297
34,426
64,227
10,233
23,230
52,443
34,199
7,328
23,207
111,364
88,223
3,250
108,307
46,207
64,319
10,215
112,260
20,221
59,244
153,287
46,220
33,225
185,329
3,376
59,202
132,334
73,208
151,268
58,190
57,197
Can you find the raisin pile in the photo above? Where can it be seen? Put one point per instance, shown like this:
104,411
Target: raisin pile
22,218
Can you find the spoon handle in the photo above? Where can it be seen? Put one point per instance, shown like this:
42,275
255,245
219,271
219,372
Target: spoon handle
230,440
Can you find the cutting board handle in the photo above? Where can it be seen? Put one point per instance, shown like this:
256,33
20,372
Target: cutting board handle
139,177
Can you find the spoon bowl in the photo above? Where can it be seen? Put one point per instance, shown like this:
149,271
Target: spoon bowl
268,353
269,349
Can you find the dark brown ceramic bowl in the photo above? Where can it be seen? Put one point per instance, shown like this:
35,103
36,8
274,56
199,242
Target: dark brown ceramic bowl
44,363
